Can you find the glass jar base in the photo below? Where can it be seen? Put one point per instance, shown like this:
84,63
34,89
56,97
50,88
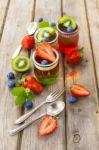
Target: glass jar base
47,80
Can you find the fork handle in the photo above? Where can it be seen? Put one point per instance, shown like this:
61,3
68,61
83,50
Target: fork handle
27,115
25,125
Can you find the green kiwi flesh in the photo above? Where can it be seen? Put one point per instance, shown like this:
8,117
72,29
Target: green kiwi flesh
21,63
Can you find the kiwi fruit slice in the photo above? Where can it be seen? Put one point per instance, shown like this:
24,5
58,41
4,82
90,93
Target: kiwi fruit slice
68,19
21,63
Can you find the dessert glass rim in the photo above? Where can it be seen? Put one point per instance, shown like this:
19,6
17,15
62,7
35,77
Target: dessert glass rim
51,64
52,41
66,32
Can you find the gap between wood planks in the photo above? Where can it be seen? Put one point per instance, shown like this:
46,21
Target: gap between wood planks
92,53
23,110
4,19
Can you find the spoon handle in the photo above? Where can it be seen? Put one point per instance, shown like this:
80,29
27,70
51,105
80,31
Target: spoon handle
27,115
17,51
25,125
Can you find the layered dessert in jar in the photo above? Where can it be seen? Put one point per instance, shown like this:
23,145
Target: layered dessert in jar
47,34
46,63
68,33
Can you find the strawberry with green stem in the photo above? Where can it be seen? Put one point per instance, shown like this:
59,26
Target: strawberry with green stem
75,57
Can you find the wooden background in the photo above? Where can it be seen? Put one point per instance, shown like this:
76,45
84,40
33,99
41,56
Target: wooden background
79,125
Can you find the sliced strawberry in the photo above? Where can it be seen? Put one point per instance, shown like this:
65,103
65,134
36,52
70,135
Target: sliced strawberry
47,125
79,90
28,42
44,50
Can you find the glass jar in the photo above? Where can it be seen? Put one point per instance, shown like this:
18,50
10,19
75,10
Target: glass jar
67,40
46,74
53,43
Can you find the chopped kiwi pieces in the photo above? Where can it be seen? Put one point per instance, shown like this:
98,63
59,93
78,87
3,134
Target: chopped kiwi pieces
66,21
46,32
21,63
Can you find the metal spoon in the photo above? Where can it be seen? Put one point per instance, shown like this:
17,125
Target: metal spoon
53,110
30,30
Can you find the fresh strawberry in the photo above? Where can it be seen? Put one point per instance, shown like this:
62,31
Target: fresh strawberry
68,50
79,90
30,79
36,87
28,42
75,57
47,125
32,84
25,84
44,50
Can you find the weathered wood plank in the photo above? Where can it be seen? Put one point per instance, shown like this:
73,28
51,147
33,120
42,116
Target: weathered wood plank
19,15
82,118
4,5
92,11
30,138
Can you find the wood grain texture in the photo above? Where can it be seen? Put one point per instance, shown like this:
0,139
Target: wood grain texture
82,128
18,17
4,5
92,11
30,138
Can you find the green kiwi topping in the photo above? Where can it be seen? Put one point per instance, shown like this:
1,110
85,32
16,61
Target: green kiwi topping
48,32
67,21
21,64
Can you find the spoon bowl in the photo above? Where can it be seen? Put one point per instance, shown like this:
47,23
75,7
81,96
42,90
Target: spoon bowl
55,108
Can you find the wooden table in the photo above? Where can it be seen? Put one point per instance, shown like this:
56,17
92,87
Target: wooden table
79,124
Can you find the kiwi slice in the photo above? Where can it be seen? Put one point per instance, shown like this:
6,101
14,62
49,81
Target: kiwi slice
21,63
67,20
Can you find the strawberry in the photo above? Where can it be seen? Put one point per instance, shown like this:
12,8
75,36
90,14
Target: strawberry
75,57
79,90
32,84
28,42
36,87
47,125
44,50
68,50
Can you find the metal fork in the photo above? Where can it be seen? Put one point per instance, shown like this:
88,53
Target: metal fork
50,98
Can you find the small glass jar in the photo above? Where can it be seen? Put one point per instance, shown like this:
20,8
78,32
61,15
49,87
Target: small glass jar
53,43
46,74
67,40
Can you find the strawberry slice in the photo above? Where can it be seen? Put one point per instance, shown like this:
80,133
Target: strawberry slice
79,90
44,50
47,125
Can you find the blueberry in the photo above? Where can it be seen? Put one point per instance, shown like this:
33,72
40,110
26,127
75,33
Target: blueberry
53,24
11,84
46,39
10,75
40,19
44,62
29,104
69,29
72,99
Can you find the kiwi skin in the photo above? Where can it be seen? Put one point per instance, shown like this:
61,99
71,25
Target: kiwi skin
24,63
